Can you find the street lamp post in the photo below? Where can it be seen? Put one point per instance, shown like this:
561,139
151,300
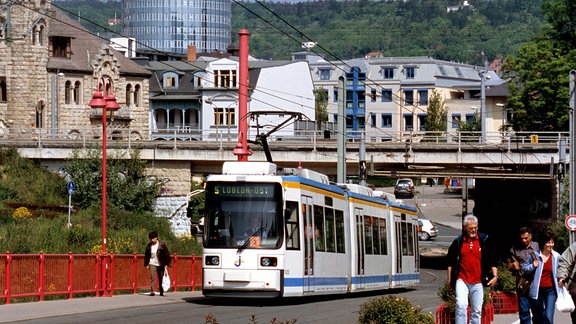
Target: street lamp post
104,99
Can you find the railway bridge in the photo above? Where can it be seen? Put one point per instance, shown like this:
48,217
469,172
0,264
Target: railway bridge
516,177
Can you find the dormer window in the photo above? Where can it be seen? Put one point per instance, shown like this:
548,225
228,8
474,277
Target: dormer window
324,74
410,72
61,47
170,80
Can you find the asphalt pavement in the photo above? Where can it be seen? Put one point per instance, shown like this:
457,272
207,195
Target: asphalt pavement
444,209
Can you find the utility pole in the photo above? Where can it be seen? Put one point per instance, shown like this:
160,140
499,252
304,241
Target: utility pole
572,148
483,102
341,174
362,165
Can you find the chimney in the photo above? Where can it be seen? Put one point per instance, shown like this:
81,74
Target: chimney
191,53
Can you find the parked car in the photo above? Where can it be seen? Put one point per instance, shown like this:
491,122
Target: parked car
427,229
404,187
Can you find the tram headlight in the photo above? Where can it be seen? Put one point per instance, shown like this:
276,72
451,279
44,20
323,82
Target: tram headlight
268,262
212,260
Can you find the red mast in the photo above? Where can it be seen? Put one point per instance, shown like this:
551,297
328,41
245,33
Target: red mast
242,149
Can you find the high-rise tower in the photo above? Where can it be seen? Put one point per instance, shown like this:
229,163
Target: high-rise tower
173,25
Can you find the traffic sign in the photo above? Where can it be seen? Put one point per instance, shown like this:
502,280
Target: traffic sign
71,187
571,222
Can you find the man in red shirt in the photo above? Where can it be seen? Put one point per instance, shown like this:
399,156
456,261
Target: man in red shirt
470,265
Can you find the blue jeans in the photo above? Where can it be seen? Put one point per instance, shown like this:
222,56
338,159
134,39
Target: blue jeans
476,292
545,306
525,304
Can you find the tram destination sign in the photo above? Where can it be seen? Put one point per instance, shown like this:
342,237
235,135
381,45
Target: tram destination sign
244,190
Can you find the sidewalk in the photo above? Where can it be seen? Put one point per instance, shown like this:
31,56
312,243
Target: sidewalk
81,305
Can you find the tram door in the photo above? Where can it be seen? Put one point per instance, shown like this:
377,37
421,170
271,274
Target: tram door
399,245
359,246
307,204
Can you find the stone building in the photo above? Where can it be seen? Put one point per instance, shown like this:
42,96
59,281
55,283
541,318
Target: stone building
49,70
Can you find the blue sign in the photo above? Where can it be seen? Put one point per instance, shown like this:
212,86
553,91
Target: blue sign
71,187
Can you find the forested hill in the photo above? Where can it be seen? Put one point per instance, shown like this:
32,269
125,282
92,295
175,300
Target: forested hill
348,29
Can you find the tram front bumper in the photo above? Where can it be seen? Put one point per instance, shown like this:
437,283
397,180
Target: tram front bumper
242,280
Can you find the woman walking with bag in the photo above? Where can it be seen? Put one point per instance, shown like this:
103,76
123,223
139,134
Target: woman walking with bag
544,287
156,259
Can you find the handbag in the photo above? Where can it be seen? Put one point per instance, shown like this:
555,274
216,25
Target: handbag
166,281
523,285
564,302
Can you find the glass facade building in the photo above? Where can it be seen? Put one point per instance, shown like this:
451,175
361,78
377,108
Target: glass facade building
172,25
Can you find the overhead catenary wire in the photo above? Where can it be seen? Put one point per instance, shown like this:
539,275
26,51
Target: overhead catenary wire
302,36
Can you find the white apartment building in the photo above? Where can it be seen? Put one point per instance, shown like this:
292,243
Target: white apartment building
198,100
387,97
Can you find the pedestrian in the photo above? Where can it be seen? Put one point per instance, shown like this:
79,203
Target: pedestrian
156,259
544,288
566,273
519,253
471,263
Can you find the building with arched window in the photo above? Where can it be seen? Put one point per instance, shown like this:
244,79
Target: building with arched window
171,26
49,67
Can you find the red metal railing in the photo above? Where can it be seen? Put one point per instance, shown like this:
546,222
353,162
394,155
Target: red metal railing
41,275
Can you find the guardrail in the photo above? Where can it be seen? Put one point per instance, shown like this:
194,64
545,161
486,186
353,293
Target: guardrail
66,275
177,137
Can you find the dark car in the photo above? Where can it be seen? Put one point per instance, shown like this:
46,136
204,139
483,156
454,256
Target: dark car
404,187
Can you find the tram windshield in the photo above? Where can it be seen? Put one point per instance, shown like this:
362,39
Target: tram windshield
243,215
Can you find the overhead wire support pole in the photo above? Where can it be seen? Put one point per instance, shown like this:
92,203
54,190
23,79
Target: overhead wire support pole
242,151
572,149
341,172
483,102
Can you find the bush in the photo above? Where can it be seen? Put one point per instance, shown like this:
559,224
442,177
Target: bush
21,214
506,281
392,309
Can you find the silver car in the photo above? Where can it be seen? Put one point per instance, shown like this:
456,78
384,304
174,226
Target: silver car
404,187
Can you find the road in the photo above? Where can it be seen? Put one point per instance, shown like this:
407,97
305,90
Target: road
331,309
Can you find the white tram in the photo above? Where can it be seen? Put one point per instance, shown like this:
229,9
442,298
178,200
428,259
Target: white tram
294,234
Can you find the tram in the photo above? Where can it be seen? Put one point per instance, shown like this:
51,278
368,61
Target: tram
285,232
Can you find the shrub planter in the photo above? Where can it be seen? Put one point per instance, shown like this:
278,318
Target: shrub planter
504,303
445,316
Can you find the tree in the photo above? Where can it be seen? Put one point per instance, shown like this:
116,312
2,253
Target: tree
128,187
471,126
539,91
539,87
560,15
321,106
437,113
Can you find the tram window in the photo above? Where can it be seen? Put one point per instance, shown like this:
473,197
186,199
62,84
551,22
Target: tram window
368,234
375,235
340,238
328,201
292,228
319,234
383,237
330,230
407,241
410,238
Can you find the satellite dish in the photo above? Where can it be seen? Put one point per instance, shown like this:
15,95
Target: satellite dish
308,45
